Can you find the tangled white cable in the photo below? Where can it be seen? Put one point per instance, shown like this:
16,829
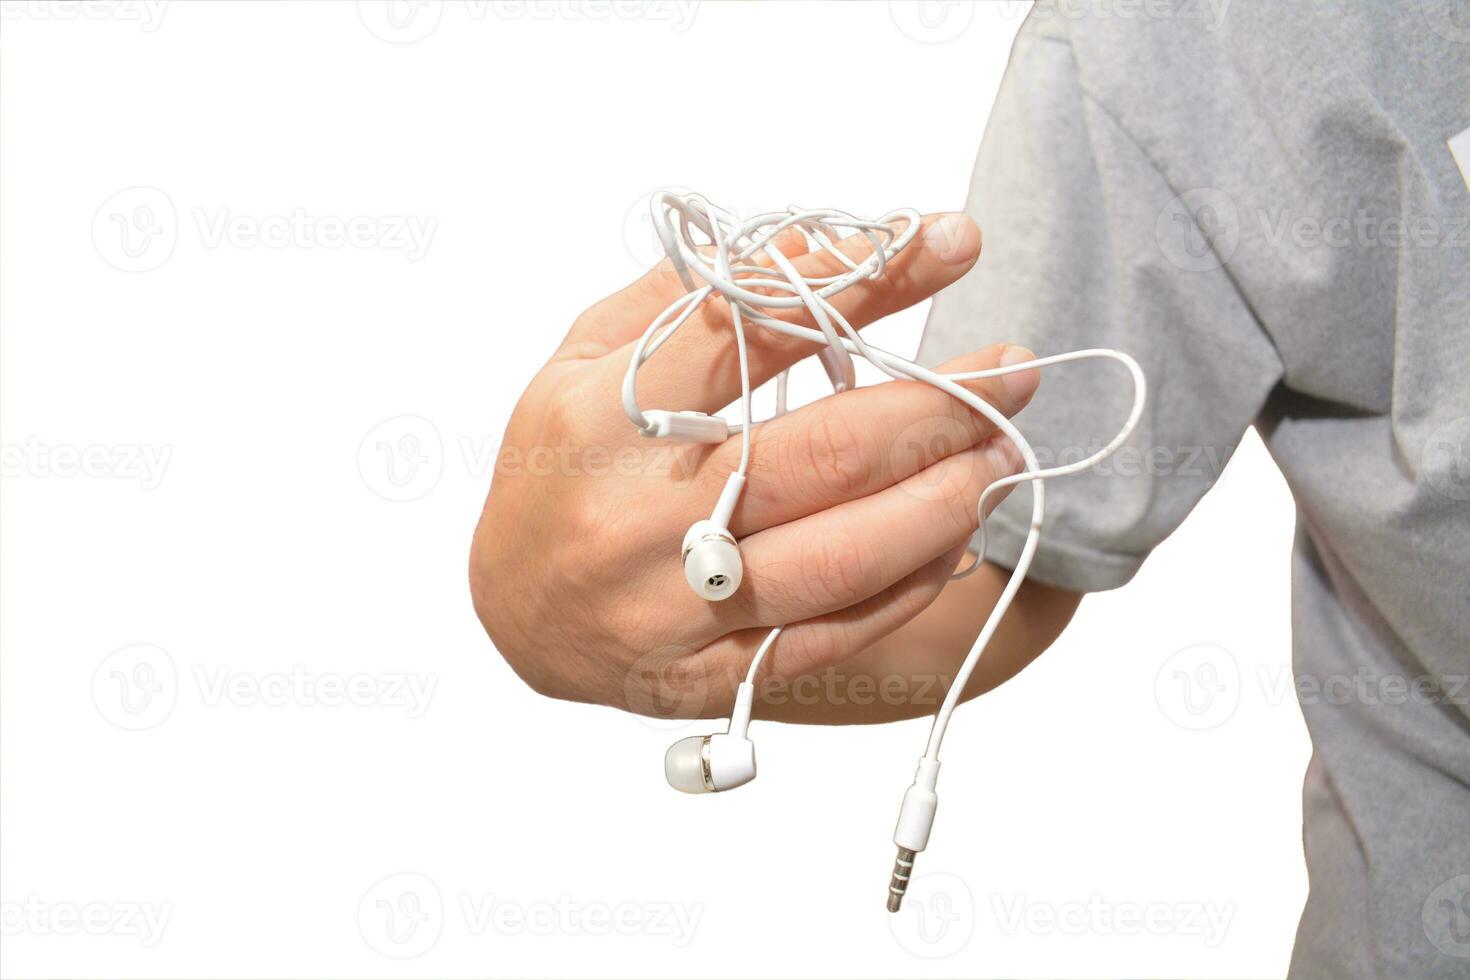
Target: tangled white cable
711,556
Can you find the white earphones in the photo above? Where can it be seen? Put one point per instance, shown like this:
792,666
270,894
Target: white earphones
712,565
711,556
712,763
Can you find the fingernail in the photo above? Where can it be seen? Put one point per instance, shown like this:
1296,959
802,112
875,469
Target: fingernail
1021,385
954,238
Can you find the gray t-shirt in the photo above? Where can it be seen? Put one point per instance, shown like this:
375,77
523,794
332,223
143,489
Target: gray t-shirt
1259,202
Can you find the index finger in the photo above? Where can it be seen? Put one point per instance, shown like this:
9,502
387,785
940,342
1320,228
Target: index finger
699,368
863,441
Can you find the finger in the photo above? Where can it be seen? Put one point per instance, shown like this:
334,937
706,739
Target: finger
862,441
814,644
848,553
704,683
699,368
622,318
789,679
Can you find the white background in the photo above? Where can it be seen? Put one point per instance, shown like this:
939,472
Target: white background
208,442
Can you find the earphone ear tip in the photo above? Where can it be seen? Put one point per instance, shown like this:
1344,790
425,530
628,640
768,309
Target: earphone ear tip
685,767
709,763
712,564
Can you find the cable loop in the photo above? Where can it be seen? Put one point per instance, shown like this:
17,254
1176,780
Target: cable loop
693,231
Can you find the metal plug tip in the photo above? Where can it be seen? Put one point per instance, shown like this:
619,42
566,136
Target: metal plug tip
903,866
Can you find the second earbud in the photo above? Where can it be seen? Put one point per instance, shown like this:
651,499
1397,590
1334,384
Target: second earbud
714,763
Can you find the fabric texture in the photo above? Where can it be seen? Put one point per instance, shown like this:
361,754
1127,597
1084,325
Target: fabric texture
1259,203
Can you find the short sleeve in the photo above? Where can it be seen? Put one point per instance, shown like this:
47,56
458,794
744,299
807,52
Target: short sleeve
1082,249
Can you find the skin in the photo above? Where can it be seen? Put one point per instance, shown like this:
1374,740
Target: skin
857,510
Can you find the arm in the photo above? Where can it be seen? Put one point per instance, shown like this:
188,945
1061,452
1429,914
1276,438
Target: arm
906,673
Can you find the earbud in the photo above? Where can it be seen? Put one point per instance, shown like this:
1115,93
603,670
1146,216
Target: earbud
713,763
709,763
712,564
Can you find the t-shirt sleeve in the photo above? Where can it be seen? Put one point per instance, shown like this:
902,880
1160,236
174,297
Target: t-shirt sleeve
1087,245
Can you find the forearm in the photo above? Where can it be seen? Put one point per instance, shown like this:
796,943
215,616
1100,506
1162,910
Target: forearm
907,673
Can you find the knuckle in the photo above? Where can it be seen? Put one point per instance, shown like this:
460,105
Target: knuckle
831,449
545,683
581,521
720,464
803,649
661,283
632,623
771,594
958,497
559,420
963,418
835,567
587,321
584,570
909,602
576,415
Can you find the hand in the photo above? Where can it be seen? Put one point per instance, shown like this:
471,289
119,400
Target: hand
858,506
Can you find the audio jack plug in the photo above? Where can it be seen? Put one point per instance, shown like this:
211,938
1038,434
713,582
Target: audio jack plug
915,820
903,866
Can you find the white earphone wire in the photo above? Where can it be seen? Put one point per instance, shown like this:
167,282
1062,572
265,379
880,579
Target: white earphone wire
677,216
